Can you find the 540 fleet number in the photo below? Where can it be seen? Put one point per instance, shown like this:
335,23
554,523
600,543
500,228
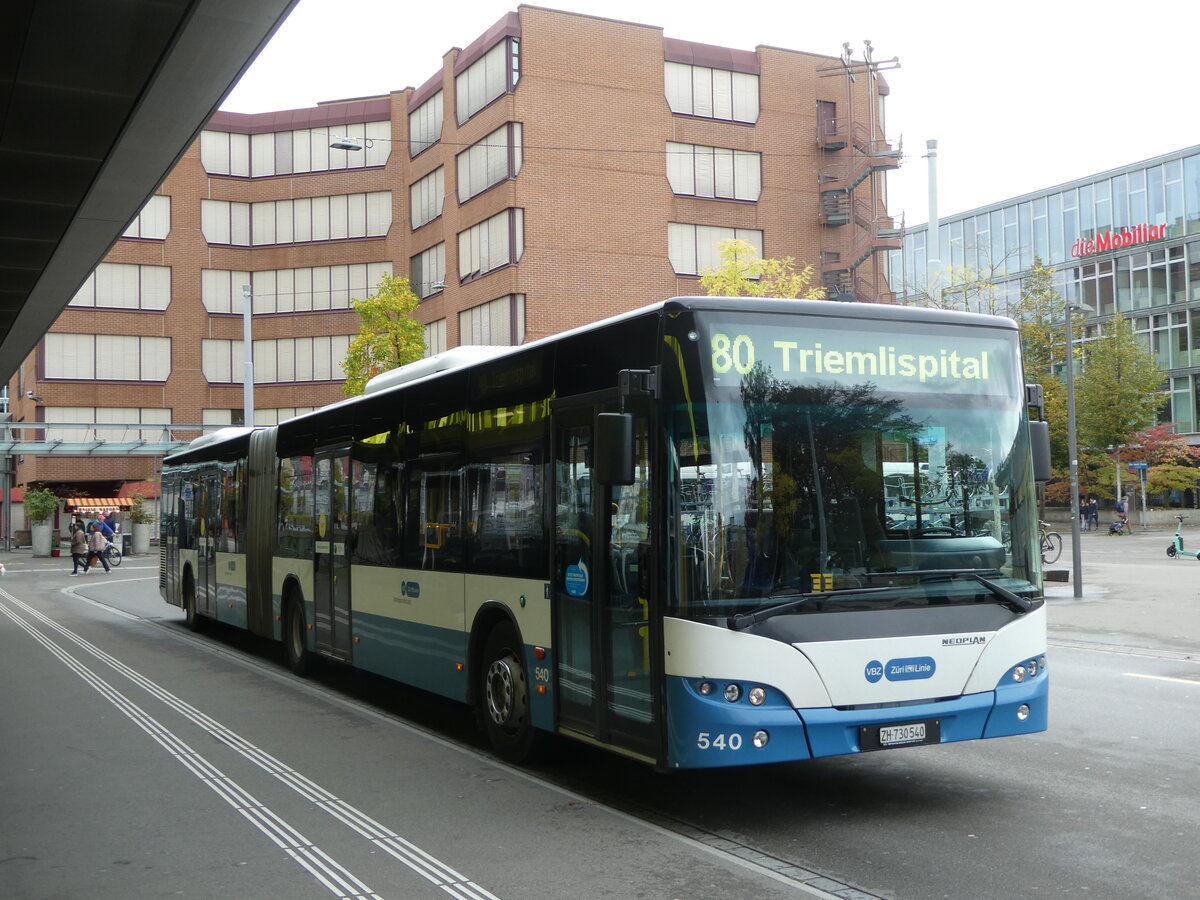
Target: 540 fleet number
706,741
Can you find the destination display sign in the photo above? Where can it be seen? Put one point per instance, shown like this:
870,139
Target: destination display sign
947,362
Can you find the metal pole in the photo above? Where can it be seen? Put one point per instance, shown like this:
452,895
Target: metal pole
932,239
1073,452
248,354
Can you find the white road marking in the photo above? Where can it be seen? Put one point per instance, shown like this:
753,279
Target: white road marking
320,865
412,856
1161,678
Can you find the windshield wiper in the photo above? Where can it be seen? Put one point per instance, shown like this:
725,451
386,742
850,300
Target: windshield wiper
1015,602
745,620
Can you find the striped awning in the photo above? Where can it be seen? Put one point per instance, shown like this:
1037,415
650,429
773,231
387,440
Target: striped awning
98,505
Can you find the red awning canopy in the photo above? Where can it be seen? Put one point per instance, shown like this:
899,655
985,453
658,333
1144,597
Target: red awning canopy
147,489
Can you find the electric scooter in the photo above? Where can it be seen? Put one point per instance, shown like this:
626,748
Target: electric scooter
1175,549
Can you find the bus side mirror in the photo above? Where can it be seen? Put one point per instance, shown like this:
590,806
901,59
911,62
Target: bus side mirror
614,448
1039,441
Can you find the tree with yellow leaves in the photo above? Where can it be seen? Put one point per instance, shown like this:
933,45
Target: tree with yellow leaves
389,335
744,273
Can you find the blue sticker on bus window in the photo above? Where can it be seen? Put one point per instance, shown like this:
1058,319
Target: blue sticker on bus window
577,579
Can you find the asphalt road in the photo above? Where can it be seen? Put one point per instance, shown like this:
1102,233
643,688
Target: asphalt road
140,760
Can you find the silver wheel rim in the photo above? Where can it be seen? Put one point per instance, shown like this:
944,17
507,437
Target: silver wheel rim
503,691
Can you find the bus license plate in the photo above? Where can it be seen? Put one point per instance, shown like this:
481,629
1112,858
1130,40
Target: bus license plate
902,734
907,734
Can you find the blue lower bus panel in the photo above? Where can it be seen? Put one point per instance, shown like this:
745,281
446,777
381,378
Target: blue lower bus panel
710,730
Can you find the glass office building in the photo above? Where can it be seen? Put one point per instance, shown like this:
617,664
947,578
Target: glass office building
1123,241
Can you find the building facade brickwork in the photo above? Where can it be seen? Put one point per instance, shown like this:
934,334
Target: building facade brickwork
572,216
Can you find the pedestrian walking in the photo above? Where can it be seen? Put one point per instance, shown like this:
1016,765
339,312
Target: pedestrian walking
1123,513
79,548
1094,512
97,544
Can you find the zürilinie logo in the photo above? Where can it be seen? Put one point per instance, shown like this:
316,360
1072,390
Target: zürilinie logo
886,362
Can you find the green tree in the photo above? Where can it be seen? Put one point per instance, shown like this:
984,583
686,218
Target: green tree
1040,313
1120,390
743,273
40,505
388,337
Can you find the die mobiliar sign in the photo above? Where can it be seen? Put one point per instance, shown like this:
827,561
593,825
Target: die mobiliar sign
1115,240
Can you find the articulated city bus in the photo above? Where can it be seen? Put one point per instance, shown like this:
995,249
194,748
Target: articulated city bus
710,532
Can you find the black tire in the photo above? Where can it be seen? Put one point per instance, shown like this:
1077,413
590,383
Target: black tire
191,618
1171,552
114,556
1051,547
504,698
295,638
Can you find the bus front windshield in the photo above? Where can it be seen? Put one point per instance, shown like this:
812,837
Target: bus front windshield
815,458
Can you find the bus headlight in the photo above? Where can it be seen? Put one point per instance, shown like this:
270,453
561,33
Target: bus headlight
1023,711
733,692
707,687
757,696
1033,667
1018,674
760,739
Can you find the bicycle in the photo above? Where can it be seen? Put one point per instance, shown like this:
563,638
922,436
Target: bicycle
113,554
1051,544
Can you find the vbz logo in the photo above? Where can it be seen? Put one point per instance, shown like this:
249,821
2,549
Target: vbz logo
874,671
410,589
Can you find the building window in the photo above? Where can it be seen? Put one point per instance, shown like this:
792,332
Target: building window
492,75
435,337
492,160
285,360
492,244
499,323
291,290
715,172
296,221
293,152
425,125
107,357
712,93
428,269
214,418
694,248
426,197
153,222
121,286
106,415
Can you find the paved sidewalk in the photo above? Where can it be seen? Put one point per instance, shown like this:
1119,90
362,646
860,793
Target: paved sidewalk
1133,593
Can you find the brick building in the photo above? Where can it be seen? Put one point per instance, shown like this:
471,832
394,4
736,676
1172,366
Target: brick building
558,169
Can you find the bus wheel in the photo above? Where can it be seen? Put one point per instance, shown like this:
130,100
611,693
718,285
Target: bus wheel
504,698
190,617
295,647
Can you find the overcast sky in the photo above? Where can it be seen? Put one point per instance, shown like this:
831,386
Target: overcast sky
1020,95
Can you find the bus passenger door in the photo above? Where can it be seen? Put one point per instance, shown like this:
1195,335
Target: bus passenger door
331,561
209,524
602,589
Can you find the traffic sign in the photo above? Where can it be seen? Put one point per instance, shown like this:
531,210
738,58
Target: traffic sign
1139,465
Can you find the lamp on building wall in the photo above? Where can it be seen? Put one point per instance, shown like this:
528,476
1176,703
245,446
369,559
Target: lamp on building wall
349,143
1073,452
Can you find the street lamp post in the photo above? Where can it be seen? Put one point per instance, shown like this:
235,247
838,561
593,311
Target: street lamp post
1073,453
